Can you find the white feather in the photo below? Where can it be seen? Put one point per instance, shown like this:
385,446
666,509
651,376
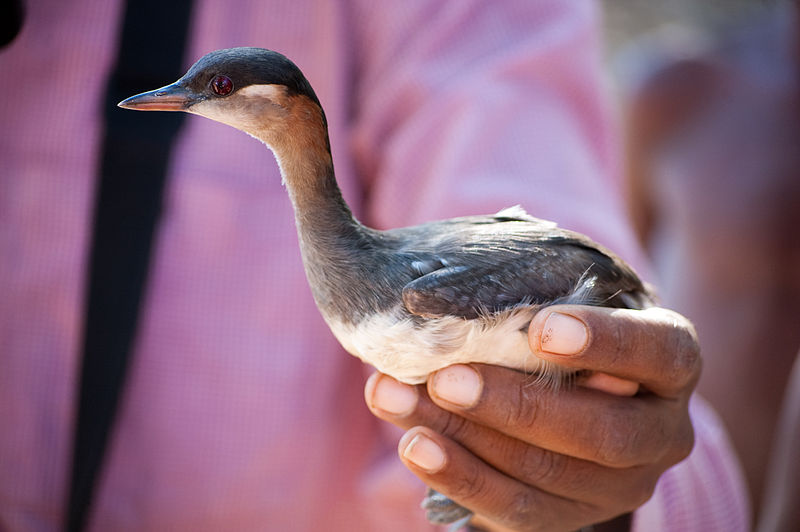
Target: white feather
409,351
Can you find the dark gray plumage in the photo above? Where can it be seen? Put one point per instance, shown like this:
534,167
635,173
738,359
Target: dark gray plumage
471,266
409,300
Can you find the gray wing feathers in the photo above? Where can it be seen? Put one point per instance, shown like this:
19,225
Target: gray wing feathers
509,269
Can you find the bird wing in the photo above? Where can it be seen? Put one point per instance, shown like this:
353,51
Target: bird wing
517,265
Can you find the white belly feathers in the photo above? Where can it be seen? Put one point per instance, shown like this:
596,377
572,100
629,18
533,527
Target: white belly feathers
409,351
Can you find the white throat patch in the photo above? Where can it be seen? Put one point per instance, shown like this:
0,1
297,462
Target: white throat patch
274,93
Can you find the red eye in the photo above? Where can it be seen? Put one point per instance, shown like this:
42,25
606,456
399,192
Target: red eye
222,85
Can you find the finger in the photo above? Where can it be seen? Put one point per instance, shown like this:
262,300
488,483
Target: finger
407,406
389,398
613,431
607,383
454,471
547,470
655,347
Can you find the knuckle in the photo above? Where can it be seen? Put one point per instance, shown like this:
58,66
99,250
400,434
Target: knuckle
523,412
685,361
621,342
522,511
455,427
661,332
612,449
686,365
619,440
541,467
472,485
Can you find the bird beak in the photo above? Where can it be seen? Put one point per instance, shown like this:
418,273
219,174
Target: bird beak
173,97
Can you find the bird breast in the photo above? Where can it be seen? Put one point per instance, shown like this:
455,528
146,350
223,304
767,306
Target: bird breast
409,349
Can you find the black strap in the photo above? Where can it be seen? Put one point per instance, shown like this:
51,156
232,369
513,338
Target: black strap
133,166
12,16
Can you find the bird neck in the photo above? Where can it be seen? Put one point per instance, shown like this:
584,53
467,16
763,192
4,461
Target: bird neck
329,235
315,195
297,134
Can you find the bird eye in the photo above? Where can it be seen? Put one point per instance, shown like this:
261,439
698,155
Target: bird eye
222,85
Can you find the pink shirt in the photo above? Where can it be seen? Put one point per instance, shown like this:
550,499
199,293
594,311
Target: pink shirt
241,410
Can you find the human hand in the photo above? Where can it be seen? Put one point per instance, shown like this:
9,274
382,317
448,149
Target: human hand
526,457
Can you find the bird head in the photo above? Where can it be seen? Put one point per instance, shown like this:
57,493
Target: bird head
255,90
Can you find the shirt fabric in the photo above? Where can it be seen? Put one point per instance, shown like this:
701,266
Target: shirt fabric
241,411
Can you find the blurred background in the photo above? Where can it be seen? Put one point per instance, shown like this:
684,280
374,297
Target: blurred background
708,99
627,19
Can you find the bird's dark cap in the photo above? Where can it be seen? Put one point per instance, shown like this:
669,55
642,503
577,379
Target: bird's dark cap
248,66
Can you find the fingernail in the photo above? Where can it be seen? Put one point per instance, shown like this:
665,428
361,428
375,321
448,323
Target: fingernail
394,397
563,335
459,384
424,453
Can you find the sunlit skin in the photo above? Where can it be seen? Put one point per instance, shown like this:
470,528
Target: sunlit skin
527,458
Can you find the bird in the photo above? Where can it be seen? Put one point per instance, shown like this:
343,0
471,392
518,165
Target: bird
410,300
